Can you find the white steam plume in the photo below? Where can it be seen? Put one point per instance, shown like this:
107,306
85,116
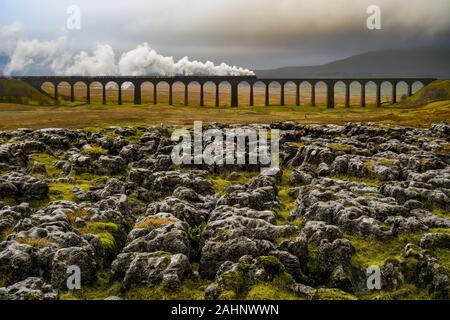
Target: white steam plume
55,57
144,60
9,37
102,63
43,55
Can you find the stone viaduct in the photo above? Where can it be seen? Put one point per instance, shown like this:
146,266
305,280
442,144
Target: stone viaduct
234,81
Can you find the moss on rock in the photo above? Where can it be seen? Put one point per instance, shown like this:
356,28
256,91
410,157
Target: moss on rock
270,264
332,294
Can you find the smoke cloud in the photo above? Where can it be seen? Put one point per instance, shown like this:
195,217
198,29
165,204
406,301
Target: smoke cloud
39,55
102,63
9,36
144,60
55,57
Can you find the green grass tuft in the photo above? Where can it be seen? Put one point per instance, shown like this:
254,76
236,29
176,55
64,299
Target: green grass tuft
94,150
100,290
61,191
440,212
406,292
222,181
287,202
332,294
110,234
370,252
190,290
48,161
269,291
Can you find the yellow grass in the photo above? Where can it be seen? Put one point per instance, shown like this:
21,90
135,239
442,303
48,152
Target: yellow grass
386,162
35,117
36,243
81,213
94,150
340,147
151,223
444,149
5,233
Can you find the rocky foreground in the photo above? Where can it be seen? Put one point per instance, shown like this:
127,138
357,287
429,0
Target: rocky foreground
111,202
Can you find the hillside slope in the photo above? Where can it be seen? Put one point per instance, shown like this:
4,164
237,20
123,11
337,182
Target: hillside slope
418,62
14,91
435,91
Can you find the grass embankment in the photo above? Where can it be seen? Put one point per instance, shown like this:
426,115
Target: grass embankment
435,91
14,91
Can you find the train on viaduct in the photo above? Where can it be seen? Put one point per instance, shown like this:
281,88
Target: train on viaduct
234,81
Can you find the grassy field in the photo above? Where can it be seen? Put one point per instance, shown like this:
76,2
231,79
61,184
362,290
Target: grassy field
43,113
80,116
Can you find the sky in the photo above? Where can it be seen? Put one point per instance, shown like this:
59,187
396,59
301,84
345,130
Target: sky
253,34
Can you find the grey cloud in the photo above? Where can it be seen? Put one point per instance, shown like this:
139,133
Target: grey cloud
259,33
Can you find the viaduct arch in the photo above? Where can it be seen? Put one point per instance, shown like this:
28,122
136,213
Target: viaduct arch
233,81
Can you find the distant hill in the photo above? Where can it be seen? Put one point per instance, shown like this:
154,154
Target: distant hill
418,62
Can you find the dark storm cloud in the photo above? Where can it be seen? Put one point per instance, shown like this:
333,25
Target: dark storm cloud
253,33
